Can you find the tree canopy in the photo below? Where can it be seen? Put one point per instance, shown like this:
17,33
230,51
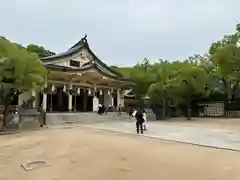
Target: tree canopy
198,76
39,50
20,71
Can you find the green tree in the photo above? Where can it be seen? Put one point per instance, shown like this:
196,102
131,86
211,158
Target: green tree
162,92
177,82
141,74
39,50
20,71
125,71
192,81
225,57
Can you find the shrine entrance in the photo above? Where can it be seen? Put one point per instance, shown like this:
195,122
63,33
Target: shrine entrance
57,100
82,102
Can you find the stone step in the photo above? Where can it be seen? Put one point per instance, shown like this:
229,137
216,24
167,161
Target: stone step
71,118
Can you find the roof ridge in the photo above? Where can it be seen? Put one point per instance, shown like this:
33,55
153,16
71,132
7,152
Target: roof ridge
82,40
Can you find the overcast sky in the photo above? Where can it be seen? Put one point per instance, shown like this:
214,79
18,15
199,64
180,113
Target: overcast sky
121,32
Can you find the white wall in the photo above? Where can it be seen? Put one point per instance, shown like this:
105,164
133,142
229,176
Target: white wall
76,57
95,103
86,57
107,98
24,97
120,97
63,63
122,101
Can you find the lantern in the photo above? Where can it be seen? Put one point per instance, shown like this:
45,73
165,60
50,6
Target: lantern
89,92
78,90
64,88
53,88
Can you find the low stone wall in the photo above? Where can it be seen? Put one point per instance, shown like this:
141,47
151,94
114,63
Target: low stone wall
233,113
214,109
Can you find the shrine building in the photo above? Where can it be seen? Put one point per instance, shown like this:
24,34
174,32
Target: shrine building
77,81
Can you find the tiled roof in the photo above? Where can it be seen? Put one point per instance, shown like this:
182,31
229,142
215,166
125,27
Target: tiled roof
74,49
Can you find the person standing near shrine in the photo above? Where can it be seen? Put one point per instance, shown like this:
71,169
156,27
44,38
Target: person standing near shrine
139,121
119,109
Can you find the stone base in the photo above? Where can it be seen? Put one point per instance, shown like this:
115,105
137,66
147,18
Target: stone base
150,114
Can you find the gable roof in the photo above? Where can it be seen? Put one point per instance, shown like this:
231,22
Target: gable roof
74,49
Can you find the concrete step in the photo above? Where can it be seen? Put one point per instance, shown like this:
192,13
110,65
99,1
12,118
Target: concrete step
86,118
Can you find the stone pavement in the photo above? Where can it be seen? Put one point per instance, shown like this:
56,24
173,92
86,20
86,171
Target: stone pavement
217,138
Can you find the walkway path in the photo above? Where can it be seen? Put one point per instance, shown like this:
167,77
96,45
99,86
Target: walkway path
205,136
218,138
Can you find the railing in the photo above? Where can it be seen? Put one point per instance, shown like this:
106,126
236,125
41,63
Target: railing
37,112
211,114
230,114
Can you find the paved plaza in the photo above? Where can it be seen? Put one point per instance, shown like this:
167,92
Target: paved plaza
219,138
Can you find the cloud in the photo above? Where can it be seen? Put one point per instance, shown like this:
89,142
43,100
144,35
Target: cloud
121,32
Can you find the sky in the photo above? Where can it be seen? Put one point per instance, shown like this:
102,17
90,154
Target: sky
121,32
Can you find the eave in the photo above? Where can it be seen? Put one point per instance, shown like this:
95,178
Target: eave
84,68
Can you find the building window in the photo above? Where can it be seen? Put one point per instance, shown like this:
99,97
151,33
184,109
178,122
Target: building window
74,63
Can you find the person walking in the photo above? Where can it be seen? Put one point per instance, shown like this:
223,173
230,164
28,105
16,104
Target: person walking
139,121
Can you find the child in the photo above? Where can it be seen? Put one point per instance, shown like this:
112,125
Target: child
145,120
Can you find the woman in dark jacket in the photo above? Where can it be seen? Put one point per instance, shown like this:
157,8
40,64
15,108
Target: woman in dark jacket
139,121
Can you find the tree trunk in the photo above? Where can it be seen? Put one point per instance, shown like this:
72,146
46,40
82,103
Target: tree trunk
226,97
189,110
167,109
5,115
226,104
164,110
235,87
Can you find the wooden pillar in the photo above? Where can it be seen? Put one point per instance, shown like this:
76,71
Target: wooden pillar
118,96
85,94
44,101
122,97
70,99
75,103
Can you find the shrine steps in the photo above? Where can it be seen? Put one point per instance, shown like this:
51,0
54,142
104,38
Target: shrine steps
83,118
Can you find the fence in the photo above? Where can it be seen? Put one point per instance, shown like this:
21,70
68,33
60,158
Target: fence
216,109
233,113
